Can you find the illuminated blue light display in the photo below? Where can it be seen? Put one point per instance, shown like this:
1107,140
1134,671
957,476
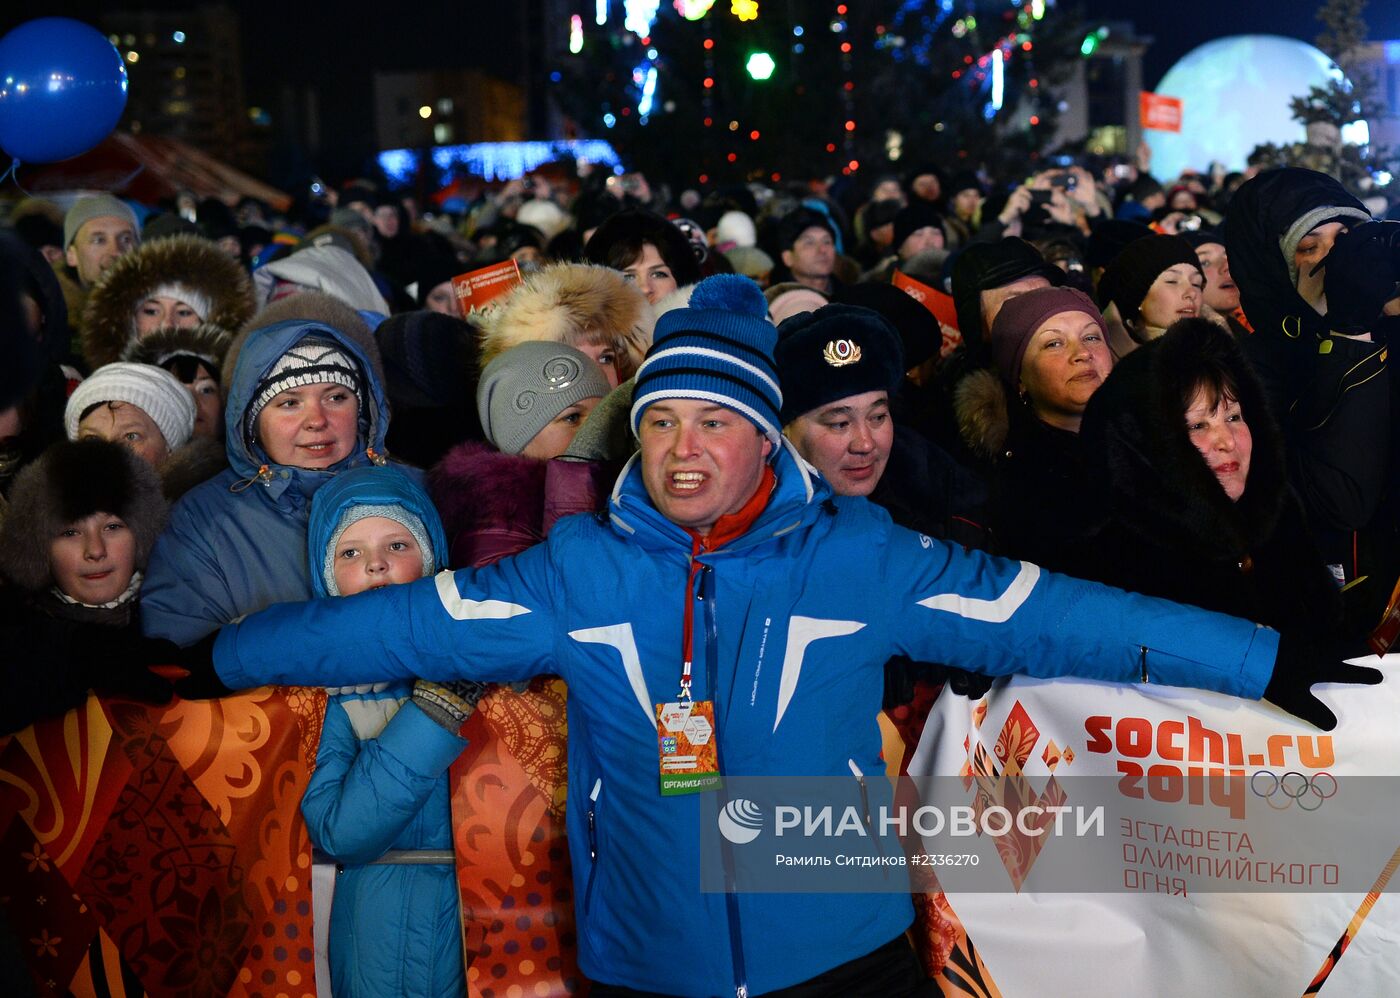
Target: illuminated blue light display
495,160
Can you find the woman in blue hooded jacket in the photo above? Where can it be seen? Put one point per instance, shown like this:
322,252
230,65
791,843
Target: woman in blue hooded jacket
304,401
381,770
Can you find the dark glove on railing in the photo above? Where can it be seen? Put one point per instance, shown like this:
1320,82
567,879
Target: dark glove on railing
201,681
1362,270
1300,664
113,662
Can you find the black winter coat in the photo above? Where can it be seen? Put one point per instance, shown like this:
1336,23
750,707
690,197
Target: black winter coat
1329,394
55,653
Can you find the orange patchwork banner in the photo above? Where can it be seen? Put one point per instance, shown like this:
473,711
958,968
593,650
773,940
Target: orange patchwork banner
513,869
163,848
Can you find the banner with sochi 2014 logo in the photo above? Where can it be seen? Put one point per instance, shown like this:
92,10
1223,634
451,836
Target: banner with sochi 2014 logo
1244,851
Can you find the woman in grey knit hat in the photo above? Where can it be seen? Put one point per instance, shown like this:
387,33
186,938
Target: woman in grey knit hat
500,497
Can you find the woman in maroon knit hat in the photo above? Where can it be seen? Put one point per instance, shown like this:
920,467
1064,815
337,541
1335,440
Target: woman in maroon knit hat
1051,351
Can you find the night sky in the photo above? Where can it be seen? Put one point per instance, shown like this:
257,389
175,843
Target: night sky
1178,26
338,48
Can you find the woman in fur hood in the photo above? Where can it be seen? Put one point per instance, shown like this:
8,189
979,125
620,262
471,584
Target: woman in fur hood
588,307
80,527
1190,479
176,281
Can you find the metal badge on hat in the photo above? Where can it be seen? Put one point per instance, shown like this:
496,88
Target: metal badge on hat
839,353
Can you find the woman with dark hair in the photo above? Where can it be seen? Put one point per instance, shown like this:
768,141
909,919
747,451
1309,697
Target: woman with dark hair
1190,477
649,251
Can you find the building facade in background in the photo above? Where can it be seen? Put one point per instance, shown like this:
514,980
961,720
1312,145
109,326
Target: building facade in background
186,72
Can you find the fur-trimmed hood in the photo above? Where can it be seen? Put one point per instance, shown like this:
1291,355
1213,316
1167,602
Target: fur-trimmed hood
109,317
70,481
573,303
207,342
1137,447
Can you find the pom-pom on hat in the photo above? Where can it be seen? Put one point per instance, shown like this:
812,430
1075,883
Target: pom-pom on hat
720,349
1020,317
833,353
525,388
153,390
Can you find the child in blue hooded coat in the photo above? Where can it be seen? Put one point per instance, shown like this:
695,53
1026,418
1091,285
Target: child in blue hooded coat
381,771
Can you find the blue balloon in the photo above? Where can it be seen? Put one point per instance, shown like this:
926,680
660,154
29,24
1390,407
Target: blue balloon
62,89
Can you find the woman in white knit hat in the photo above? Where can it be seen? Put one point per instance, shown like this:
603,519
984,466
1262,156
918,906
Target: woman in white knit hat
140,406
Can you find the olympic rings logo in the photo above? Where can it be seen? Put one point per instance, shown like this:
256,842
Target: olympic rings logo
1282,792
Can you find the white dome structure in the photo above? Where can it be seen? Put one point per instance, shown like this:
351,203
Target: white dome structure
1235,94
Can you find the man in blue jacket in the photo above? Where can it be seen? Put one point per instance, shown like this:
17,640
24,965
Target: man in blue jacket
728,581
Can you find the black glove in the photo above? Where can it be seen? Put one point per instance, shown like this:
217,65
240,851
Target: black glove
112,662
133,680
450,704
1362,270
1300,664
202,682
972,685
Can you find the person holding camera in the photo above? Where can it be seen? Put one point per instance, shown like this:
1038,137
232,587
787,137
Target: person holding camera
1317,280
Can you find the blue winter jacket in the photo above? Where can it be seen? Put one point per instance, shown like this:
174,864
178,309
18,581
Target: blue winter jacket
808,605
381,783
237,543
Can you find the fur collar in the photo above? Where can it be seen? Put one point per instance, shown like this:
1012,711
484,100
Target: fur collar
980,404
475,485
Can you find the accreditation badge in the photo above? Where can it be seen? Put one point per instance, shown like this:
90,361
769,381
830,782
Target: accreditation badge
686,747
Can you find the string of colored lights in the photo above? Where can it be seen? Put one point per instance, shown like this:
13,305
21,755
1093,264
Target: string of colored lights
909,34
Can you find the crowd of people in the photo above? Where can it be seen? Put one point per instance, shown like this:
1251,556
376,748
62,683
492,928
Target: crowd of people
696,419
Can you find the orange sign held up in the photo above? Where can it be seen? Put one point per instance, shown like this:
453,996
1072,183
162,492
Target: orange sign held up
478,288
1159,112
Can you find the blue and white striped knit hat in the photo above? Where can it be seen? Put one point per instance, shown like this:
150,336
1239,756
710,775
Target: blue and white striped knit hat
719,349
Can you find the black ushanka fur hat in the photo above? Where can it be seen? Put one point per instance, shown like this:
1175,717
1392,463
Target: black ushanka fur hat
69,482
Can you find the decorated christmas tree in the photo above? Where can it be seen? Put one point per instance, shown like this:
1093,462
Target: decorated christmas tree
701,91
